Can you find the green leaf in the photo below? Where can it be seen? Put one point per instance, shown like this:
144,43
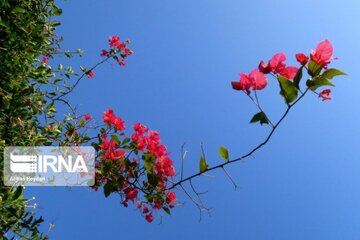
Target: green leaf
115,138
68,54
82,122
288,90
102,131
96,146
167,210
313,68
108,189
4,24
55,24
298,77
153,179
318,82
260,117
149,162
332,72
6,104
18,10
51,108
224,153
17,193
203,164
55,11
125,141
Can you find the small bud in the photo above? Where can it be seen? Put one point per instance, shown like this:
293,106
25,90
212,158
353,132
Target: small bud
302,58
264,68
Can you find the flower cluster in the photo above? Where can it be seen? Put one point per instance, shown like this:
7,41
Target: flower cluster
277,65
138,168
149,141
118,50
317,61
255,80
110,119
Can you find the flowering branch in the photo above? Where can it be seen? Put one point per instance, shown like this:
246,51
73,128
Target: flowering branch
289,78
118,51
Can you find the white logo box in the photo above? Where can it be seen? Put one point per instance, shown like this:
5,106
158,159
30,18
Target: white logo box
49,166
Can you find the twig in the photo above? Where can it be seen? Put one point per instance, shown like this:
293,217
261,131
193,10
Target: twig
231,179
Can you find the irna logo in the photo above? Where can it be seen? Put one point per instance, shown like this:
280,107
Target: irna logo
49,166
46,163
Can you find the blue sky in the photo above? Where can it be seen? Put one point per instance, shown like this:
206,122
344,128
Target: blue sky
304,184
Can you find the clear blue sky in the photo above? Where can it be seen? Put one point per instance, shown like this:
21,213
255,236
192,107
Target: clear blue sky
304,184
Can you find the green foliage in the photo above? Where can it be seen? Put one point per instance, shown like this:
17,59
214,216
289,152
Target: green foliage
26,34
224,153
313,68
332,72
288,90
15,218
260,117
298,77
317,82
202,164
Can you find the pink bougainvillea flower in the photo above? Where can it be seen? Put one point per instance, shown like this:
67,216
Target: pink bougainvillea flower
87,117
255,80
165,165
130,194
90,74
119,123
127,52
157,205
244,83
121,46
138,127
289,72
302,58
258,79
104,53
149,217
140,140
111,153
109,116
121,62
324,94
276,63
114,40
170,197
120,154
323,53
145,209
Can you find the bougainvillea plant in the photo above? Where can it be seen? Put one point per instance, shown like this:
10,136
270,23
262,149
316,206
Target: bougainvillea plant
131,162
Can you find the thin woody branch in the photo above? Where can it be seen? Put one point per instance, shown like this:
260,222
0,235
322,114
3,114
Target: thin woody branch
249,153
